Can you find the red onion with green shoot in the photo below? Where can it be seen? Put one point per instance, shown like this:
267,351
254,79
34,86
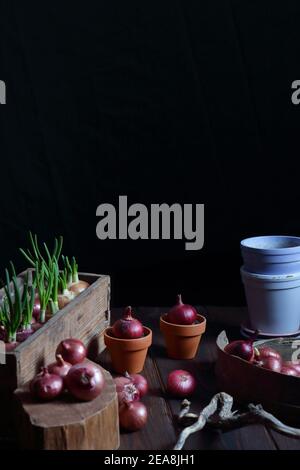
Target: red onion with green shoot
12,309
75,285
128,327
126,390
27,302
65,296
182,314
44,288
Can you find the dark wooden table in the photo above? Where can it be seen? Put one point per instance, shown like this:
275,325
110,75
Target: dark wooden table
161,430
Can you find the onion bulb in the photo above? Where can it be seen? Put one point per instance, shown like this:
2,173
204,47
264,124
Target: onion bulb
85,381
241,348
133,416
72,350
181,383
182,314
126,390
127,327
78,287
60,367
46,386
139,382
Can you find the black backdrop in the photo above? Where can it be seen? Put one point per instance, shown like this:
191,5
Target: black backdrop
164,101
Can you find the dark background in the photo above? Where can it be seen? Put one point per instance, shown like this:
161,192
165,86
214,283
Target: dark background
163,101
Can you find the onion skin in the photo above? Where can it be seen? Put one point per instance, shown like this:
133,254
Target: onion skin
242,349
126,390
36,326
72,350
127,327
133,416
46,386
78,287
182,314
60,367
85,381
140,383
63,300
181,383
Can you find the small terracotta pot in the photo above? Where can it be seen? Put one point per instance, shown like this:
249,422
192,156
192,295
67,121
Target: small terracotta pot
182,341
128,355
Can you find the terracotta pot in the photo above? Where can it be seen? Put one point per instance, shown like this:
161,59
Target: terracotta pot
182,341
128,355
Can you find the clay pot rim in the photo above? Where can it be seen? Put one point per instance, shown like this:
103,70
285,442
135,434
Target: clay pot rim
147,334
200,318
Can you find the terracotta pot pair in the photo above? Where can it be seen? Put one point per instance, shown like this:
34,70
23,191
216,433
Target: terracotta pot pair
182,341
128,355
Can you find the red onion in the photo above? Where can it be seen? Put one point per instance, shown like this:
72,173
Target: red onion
72,350
241,348
128,327
181,383
294,365
182,314
78,287
11,346
23,334
266,351
288,370
271,363
36,308
60,367
46,386
126,390
36,326
139,382
133,416
85,381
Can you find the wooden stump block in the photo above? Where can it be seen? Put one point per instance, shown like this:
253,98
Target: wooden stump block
66,424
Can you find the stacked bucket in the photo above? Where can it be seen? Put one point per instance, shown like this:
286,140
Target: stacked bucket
271,278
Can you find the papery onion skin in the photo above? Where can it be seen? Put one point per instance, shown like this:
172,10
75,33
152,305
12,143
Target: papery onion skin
85,381
140,383
133,416
127,327
181,383
60,367
181,314
46,386
126,390
72,350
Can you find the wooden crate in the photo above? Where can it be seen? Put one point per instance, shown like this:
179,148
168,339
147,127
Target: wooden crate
85,318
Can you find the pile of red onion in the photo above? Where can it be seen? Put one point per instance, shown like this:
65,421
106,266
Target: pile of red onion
82,379
264,356
132,413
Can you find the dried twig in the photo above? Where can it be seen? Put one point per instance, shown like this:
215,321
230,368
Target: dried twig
226,418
